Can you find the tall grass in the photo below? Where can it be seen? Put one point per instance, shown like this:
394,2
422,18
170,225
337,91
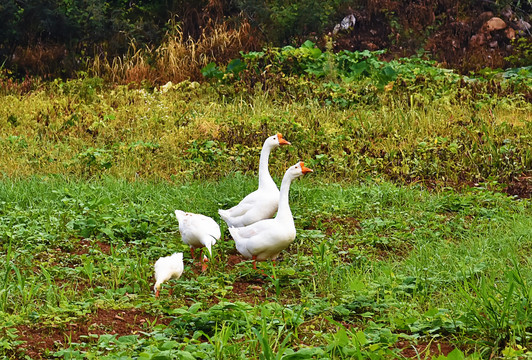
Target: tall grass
83,129
177,58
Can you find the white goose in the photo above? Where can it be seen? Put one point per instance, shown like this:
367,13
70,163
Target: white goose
198,231
265,239
166,268
263,202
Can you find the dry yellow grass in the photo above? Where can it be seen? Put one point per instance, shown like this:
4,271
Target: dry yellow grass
177,58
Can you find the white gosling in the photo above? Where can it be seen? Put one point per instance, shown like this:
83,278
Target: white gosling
263,202
265,239
198,231
166,268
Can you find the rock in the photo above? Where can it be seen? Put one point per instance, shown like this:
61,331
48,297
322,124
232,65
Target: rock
523,25
485,16
507,13
166,87
370,46
346,23
477,40
510,33
495,23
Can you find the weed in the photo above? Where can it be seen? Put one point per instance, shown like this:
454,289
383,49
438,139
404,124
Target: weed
420,135
501,310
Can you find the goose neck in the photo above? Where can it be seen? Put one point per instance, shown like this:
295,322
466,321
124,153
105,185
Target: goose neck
265,178
284,206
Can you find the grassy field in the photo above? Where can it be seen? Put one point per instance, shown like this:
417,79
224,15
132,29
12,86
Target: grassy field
413,232
376,271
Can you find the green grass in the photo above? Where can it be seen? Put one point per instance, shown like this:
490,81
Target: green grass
373,264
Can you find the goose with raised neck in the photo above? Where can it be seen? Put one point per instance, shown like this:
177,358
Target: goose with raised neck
263,202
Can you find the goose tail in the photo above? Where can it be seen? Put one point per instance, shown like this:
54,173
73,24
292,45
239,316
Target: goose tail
224,214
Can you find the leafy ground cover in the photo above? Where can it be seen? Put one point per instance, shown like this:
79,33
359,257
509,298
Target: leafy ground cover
377,271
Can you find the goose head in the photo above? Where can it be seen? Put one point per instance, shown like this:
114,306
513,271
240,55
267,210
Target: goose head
276,141
298,170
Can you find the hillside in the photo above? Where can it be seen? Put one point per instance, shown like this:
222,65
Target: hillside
60,39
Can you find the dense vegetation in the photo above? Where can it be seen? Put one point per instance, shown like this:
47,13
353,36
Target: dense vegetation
92,171
349,114
376,271
60,38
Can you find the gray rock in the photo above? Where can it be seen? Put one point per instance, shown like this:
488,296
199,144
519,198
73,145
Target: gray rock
347,22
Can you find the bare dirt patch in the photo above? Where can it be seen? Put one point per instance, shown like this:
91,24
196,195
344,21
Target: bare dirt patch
233,260
252,292
520,187
39,338
334,224
424,350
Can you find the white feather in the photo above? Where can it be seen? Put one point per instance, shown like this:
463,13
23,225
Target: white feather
265,239
198,230
168,267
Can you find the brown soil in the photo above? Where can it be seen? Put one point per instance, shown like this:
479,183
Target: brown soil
395,251
520,187
248,291
424,350
39,337
233,260
334,224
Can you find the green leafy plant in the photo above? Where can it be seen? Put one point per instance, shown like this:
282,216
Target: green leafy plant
503,313
96,158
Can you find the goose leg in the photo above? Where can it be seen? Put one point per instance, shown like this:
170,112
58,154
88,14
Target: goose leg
254,258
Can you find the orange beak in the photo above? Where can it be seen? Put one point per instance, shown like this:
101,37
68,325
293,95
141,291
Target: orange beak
304,169
282,141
